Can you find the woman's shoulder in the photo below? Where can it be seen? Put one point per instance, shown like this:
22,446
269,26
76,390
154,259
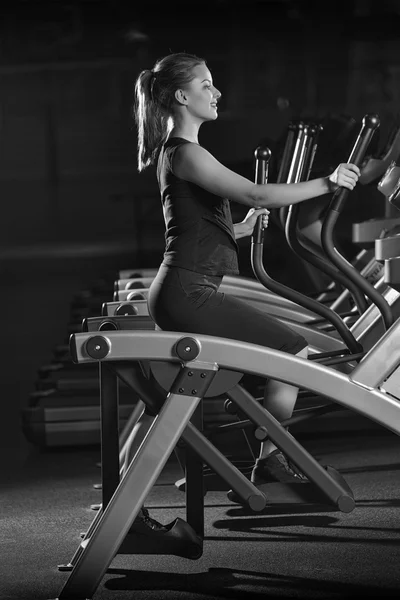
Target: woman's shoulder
185,148
174,146
181,150
192,162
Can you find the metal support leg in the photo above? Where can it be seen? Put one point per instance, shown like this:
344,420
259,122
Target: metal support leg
194,480
109,432
122,509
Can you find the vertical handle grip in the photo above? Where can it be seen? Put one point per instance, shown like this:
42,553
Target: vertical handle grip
369,124
262,155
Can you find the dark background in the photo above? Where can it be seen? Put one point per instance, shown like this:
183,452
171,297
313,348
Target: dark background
74,206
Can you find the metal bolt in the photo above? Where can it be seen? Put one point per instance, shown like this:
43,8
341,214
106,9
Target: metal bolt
202,375
181,390
187,349
190,373
194,392
97,347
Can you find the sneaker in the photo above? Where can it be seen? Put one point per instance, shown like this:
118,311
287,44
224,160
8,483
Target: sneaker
177,538
272,469
145,524
276,467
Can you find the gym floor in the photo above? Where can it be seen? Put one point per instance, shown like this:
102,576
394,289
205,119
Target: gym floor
286,551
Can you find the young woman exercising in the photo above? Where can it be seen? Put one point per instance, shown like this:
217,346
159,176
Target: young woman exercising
172,100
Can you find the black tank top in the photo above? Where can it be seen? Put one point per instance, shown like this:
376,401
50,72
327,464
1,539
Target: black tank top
199,232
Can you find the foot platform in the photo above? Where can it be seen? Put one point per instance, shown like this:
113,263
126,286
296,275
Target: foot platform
304,493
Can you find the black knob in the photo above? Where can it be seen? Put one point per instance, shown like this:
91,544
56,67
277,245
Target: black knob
126,309
108,325
187,349
371,120
136,296
262,153
97,347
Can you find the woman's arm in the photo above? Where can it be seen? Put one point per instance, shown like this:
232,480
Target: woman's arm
194,163
246,227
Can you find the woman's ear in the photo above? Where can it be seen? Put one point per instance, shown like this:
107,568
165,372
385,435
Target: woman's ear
180,96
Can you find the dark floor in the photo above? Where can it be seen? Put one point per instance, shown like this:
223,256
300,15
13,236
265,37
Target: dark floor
290,551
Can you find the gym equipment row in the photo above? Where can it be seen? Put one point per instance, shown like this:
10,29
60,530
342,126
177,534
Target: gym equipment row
64,409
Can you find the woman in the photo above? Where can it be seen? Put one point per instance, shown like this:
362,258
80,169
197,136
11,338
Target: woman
171,102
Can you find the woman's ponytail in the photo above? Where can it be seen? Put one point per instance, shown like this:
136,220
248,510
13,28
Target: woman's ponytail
151,123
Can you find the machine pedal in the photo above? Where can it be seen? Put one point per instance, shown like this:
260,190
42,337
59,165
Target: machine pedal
304,493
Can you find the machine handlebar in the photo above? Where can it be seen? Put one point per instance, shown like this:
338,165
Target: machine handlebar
370,123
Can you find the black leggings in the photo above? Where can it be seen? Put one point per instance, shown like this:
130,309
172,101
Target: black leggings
182,300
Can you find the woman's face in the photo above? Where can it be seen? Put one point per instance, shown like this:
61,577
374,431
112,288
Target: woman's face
201,95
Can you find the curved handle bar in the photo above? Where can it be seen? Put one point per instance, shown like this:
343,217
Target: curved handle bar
376,167
370,124
262,156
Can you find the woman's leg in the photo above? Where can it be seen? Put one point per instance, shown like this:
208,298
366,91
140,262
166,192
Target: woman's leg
187,301
279,399
272,465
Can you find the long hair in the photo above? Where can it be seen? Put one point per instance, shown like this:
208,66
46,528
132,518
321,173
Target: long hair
154,99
